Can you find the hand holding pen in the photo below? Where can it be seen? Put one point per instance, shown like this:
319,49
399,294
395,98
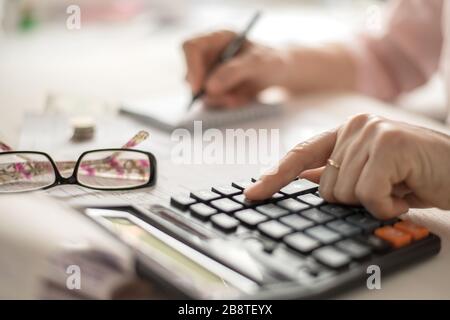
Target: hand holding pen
228,70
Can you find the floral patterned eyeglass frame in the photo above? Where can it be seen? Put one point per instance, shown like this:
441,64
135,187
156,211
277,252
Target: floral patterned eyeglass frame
106,164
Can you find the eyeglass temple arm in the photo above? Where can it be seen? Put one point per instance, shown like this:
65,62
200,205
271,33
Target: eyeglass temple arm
66,165
134,141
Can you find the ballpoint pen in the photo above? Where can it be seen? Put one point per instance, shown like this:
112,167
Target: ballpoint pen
230,51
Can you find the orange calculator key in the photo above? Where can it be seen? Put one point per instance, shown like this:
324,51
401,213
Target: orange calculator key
395,237
416,231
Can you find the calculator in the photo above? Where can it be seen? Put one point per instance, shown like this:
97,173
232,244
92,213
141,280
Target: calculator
216,244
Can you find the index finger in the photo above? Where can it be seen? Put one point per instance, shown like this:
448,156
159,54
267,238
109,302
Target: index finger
310,154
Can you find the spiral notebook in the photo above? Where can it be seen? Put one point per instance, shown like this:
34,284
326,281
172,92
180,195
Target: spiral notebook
169,113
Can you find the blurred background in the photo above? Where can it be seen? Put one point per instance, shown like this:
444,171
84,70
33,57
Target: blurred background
117,49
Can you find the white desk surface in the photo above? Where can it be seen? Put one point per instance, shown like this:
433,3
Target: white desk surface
131,72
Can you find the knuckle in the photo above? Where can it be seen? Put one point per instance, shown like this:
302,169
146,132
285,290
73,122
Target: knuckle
365,196
355,123
389,137
359,119
225,33
343,195
230,68
372,203
257,57
375,124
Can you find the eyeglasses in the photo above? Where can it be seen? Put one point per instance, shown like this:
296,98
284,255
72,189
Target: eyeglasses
102,169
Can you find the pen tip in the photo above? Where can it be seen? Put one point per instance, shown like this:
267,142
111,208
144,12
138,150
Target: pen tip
190,104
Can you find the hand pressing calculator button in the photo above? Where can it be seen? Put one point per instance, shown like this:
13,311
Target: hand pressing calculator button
330,240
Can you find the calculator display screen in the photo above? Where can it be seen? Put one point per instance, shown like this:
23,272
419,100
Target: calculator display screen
188,272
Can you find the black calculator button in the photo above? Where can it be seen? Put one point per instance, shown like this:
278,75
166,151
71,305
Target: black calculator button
301,242
292,205
337,211
226,205
271,210
249,217
242,184
332,257
323,234
377,244
226,190
311,199
224,222
364,221
202,211
344,228
274,230
297,222
204,195
298,187
316,215
356,250
182,202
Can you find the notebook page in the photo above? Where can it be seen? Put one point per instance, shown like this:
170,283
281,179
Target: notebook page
170,112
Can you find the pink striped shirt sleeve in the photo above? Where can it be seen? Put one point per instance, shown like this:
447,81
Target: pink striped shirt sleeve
405,54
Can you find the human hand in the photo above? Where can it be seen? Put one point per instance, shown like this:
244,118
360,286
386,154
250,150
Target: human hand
235,82
384,165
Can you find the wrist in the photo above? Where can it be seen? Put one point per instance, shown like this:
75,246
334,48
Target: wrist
318,69
438,168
